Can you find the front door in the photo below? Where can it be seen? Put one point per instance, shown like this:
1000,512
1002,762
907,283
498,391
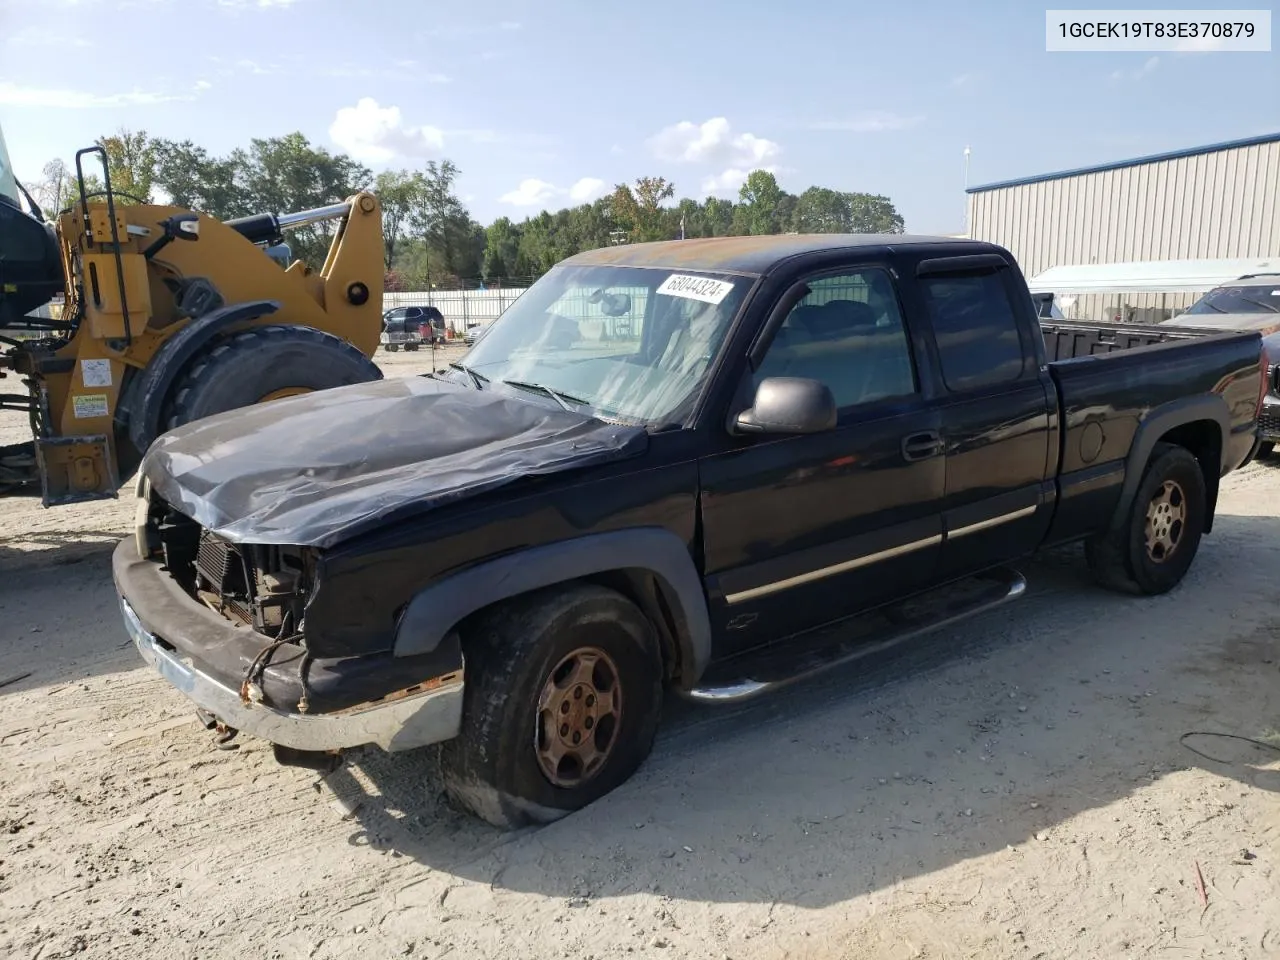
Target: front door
805,529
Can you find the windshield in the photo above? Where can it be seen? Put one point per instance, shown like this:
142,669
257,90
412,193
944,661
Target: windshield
1254,298
627,343
8,186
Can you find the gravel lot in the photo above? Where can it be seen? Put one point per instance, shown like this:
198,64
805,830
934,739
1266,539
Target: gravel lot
1014,787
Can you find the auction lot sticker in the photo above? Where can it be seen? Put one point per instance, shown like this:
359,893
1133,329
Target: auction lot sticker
695,288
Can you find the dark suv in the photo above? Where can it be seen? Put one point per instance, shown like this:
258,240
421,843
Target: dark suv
409,327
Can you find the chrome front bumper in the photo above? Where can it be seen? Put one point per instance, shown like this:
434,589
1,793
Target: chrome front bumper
416,720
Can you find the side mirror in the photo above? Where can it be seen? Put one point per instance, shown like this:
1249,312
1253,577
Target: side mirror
789,405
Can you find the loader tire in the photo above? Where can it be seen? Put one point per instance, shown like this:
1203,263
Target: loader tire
260,364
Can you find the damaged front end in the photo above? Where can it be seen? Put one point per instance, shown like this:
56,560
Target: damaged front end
225,623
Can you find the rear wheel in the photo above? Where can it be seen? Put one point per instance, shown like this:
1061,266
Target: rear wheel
564,692
264,364
1265,450
392,347
1154,547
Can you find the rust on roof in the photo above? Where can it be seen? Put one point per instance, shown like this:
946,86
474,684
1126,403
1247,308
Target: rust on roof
750,255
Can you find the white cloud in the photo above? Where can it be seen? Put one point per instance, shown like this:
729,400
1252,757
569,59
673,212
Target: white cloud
877,122
1137,74
586,190
533,192
712,142
378,134
731,180
203,85
11,94
530,193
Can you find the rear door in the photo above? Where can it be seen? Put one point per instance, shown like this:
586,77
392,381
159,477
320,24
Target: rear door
800,530
998,419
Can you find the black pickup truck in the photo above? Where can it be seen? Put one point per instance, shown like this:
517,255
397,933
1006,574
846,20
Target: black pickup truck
703,467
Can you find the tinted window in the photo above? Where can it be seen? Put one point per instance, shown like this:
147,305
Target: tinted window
848,333
976,330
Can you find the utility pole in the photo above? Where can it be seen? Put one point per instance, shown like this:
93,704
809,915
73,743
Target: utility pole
682,226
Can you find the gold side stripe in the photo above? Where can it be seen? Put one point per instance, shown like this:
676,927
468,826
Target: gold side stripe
993,522
831,571
854,564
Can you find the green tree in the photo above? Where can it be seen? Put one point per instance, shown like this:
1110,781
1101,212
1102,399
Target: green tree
400,193
759,197
131,162
872,213
501,246
287,174
442,222
650,194
820,210
718,217
57,189
198,181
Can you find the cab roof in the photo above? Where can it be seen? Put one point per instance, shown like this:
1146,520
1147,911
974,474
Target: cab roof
746,255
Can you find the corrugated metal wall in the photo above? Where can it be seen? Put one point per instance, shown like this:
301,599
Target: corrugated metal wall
1220,204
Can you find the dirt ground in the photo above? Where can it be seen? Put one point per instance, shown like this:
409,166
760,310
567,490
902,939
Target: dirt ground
1016,787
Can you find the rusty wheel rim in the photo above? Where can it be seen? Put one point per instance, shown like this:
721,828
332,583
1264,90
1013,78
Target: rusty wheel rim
1166,521
579,713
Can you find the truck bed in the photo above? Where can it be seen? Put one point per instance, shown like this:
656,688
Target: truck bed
1110,377
1069,339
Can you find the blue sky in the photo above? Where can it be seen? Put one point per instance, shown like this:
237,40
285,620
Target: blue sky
541,104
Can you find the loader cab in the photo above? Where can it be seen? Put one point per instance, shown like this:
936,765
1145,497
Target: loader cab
30,265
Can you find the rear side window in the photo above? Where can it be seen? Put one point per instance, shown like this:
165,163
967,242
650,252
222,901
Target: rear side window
976,330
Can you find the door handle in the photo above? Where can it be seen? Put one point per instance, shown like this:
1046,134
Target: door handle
922,446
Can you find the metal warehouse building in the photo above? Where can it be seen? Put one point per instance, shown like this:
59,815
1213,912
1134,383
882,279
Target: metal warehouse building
1216,201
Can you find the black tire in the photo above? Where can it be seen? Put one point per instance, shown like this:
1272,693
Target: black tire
411,346
493,768
240,369
1265,450
392,347
1121,560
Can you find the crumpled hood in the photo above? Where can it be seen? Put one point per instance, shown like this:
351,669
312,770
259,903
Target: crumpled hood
319,468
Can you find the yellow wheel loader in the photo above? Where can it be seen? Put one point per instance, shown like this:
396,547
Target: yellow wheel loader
167,316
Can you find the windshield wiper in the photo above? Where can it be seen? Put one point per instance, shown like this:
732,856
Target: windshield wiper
476,378
559,396
1259,303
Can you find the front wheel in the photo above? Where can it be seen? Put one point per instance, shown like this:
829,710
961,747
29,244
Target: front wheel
564,693
1265,450
1154,547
